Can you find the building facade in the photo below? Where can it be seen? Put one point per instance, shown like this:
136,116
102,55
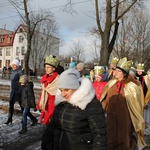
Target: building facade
14,45
6,48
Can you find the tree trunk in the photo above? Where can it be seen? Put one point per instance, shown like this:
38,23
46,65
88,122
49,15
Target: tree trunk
104,57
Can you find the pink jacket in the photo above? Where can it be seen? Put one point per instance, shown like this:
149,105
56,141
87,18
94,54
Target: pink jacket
99,86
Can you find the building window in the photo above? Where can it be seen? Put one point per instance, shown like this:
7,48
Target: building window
7,51
21,30
0,51
21,39
22,50
7,63
17,51
1,39
9,39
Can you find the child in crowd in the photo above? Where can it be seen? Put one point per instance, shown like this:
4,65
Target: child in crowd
99,83
27,101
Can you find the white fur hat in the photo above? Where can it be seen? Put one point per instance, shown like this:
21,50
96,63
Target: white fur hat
16,62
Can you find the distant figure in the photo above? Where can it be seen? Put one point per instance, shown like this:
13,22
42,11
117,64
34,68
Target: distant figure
80,68
133,72
105,73
145,82
4,72
92,75
9,71
112,67
72,65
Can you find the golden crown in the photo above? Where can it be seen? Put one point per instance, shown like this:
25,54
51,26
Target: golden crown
99,70
114,60
23,79
140,67
52,61
124,64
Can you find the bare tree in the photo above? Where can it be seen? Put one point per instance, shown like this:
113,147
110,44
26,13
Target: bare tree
77,51
31,21
141,32
107,29
108,33
94,52
133,37
44,40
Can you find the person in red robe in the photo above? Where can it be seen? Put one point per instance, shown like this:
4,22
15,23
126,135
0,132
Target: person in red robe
99,84
49,84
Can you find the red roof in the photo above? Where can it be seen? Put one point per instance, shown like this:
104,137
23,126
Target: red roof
6,40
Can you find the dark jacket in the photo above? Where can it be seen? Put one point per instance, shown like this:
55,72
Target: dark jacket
15,75
78,126
27,95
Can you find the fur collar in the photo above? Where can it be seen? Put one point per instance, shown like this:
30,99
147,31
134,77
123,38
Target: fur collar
81,97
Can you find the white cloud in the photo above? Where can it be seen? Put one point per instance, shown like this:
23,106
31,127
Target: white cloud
85,39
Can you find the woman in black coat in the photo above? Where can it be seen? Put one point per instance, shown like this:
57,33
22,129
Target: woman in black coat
78,122
14,87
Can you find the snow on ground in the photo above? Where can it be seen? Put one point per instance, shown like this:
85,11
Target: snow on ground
7,82
12,130
9,133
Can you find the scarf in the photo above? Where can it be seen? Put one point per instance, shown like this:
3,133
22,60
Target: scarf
119,86
51,89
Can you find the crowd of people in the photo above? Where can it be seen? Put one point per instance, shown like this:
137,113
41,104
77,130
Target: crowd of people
107,110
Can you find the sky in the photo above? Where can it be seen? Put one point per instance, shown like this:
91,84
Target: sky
72,27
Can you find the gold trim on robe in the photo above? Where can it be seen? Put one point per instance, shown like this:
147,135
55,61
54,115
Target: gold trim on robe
135,102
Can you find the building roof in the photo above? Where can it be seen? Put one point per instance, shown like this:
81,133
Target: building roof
4,31
6,40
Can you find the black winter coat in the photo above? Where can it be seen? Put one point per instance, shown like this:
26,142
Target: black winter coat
15,75
27,95
74,129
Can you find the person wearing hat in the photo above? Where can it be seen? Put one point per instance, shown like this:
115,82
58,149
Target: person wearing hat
78,121
27,101
123,101
112,67
49,86
145,82
80,68
132,71
99,84
15,75
142,77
